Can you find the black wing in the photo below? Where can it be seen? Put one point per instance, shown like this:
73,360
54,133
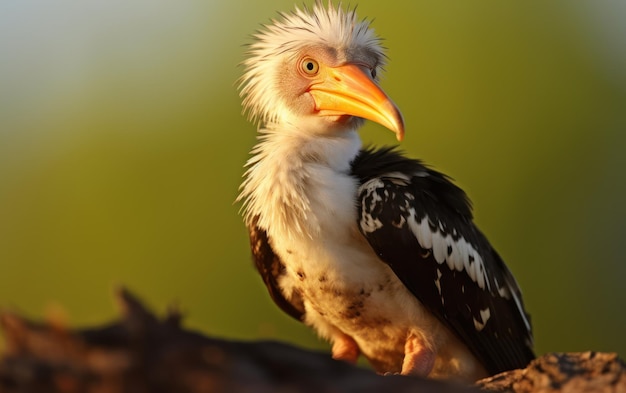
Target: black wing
271,268
420,224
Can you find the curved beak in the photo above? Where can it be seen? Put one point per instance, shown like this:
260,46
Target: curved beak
347,90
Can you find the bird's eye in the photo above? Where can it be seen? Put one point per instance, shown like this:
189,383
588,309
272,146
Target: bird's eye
373,71
309,66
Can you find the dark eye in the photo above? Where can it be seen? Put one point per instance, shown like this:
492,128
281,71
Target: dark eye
309,66
374,72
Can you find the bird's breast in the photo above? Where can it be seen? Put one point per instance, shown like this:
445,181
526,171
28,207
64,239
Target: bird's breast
348,289
331,264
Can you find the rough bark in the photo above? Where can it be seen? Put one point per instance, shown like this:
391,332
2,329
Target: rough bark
142,353
563,372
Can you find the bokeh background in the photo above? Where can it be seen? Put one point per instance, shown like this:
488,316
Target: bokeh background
122,145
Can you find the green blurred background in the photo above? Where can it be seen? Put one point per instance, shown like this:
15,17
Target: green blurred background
122,145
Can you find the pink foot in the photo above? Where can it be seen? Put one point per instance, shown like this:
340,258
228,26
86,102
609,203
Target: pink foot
346,349
418,359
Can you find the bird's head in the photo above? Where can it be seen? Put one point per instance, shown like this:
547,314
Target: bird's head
317,69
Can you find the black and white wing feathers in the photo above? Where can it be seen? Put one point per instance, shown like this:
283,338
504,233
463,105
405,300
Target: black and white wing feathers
271,268
420,224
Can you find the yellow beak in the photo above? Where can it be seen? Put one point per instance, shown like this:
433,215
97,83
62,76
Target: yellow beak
347,90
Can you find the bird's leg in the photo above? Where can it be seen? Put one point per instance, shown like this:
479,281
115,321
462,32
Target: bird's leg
418,358
345,348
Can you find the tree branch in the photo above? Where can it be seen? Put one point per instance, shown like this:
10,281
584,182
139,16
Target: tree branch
141,353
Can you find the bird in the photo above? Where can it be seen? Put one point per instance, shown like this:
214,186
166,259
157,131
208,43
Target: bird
376,251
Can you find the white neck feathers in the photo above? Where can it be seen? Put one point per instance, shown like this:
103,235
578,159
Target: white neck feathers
285,171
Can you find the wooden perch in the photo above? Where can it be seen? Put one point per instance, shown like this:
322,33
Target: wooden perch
563,372
141,353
